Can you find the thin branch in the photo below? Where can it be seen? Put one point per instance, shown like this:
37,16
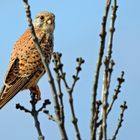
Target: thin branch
105,101
96,76
116,92
80,61
120,120
105,94
22,108
115,96
46,102
109,62
34,112
57,66
74,118
69,89
47,69
112,30
60,94
107,74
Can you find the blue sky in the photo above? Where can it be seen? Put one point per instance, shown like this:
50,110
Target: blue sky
78,24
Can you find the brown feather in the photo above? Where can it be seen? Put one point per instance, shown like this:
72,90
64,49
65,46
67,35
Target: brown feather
8,93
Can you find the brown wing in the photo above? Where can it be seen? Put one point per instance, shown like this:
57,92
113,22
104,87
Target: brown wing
13,84
20,71
8,92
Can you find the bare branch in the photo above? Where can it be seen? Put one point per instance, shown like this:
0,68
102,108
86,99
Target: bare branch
109,63
34,112
46,102
120,120
57,66
80,61
105,93
105,101
22,108
115,96
96,76
116,92
112,30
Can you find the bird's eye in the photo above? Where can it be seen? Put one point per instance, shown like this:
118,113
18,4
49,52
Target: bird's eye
41,17
49,21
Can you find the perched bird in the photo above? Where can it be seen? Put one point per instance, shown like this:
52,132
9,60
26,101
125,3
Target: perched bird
25,68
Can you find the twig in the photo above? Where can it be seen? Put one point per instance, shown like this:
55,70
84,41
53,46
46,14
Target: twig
47,69
107,74
116,91
98,104
57,66
70,92
96,76
80,61
112,29
115,96
105,101
105,94
74,118
109,62
34,112
46,102
120,120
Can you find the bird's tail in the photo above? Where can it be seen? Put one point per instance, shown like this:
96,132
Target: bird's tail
7,93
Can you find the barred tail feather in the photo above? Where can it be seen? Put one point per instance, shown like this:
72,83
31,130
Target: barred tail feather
9,92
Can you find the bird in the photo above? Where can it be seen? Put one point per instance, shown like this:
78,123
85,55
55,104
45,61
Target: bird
25,66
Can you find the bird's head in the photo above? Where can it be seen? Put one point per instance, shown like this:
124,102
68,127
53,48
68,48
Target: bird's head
45,21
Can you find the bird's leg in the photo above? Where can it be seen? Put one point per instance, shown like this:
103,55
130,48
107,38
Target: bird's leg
35,90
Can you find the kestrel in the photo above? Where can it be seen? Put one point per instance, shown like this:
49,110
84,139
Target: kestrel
25,68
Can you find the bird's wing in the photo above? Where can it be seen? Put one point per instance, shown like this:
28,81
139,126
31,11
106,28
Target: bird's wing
14,82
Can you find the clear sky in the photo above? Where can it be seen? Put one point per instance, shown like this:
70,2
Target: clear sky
78,24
